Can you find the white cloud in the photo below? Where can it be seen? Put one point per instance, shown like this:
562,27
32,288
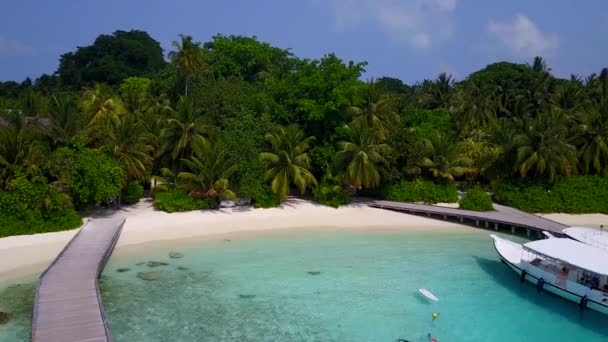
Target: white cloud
418,23
12,48
524,38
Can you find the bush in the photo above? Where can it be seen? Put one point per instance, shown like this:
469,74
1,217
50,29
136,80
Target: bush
579,194
331,195
133,192
251,185
88,175
478,200
265,198
422,191
178,200
33,206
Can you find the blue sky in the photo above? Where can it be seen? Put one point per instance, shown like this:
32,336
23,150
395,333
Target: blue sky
408,39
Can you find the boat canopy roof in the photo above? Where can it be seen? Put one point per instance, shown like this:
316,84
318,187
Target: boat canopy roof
573,253
589,236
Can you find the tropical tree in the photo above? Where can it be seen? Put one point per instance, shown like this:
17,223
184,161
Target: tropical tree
377,110
20,142
65,120
188,57
436,93
287,157
129,143
593,151
99,105
542,146
476,110
445,158
185,125
361,156
210,169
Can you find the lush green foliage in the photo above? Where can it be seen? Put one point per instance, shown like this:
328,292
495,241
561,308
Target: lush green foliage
34,206
111,59
331,194
476,199
265,198
422,191
178,200
87,175
236,117
133,192
579,194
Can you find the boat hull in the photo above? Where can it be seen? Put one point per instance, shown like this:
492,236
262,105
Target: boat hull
533,276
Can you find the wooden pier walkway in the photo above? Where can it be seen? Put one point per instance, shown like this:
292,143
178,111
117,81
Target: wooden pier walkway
501,217
67,307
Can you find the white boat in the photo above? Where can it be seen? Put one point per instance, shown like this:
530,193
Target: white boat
428,295
565,267
589,236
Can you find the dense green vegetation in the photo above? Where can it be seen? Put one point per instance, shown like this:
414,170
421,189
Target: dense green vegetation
476,199
236,117
422,191
578,194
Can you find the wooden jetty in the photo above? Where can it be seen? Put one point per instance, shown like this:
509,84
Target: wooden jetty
67,306
502,217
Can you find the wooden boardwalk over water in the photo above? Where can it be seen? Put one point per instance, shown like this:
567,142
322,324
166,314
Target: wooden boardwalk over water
501,217
67,306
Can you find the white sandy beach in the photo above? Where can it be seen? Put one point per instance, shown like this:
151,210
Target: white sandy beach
27,254
30,254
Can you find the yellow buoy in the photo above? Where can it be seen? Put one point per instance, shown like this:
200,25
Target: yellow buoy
435,315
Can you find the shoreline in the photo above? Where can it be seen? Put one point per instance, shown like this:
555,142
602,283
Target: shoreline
147,228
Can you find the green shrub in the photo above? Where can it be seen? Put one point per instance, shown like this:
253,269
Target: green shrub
33,206
178,200
265,198
133,192
331,195
422,191
88,175
579,194
478,200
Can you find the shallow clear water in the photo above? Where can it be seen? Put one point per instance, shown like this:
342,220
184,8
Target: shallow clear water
261,290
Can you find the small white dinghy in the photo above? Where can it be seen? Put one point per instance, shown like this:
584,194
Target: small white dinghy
428,295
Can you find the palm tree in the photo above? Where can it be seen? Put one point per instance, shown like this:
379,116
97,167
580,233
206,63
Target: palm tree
542,146
361,156
437,93
476,110
20,143
188,58
445,158
377,110
288,159
129,143
65,119
99,105
210,169
184,126
594,136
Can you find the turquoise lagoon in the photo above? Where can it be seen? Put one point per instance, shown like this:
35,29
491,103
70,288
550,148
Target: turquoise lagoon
325,286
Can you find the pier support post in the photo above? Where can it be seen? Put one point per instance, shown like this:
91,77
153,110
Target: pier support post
496,226
460,219
512,229
487,223
528,232
445,217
